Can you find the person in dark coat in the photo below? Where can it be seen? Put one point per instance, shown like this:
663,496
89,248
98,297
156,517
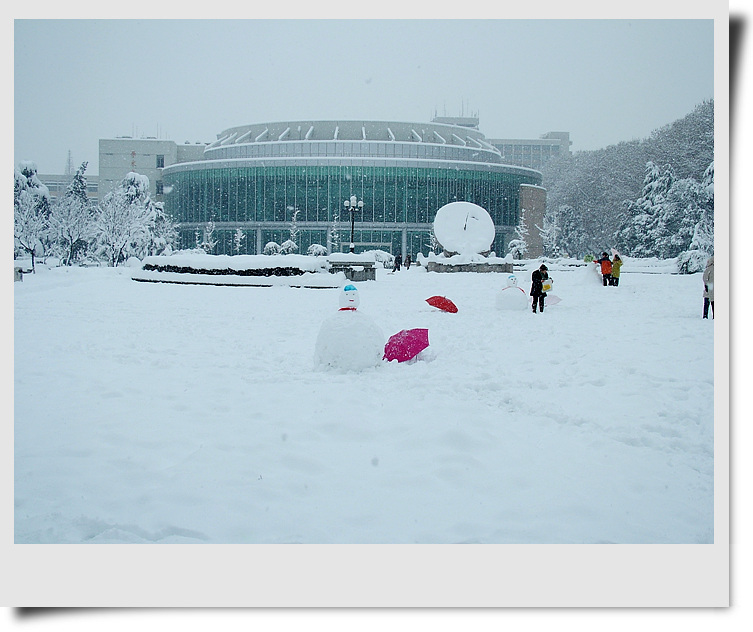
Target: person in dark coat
537,291
407,262
708,288
398,262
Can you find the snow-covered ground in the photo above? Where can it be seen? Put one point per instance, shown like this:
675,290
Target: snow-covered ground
149,412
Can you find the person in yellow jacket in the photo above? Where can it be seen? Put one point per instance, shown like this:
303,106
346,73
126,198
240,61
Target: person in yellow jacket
615,275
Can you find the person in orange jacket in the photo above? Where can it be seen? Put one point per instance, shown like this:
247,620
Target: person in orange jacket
606,267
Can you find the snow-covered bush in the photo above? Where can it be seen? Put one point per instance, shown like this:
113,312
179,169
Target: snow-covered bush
272,248
288,247
316,250
692,261
382,256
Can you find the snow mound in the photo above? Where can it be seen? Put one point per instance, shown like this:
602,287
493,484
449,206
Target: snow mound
512,298
349,340
464,228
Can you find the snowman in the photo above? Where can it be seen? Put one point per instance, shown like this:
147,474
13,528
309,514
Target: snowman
511,297
349,340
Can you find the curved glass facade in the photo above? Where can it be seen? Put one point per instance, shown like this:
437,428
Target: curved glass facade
249,187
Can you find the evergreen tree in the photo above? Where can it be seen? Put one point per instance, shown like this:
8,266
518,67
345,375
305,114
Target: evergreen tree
643,231
702,242
71,219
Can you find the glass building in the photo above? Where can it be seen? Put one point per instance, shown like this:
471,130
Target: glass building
257,178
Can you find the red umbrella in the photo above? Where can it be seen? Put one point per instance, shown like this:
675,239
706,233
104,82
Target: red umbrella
406,344
443,303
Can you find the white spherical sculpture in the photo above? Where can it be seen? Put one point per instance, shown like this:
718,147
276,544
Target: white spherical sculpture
349,340
464,228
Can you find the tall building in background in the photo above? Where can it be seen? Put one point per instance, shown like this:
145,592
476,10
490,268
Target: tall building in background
533,153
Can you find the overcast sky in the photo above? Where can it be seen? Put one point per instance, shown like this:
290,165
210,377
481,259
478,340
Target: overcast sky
604,81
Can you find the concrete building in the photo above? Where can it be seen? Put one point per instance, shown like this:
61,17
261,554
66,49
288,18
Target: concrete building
146,156
58,185
533,153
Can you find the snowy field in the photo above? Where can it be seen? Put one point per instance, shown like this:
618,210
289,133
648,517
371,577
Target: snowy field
158,413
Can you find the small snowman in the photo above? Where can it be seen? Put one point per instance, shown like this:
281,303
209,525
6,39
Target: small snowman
349,340
512,297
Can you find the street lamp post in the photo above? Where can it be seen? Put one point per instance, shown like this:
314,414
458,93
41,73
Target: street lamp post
352,204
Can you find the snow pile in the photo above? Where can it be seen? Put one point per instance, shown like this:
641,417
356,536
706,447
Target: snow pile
464,228
349,340
512,297
347,257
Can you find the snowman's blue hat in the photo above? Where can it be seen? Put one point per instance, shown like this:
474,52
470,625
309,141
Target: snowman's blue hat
349,287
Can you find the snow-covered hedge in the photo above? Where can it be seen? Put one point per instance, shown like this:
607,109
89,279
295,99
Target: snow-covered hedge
241,265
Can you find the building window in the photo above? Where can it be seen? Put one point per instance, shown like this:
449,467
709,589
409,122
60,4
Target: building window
159,186
160,161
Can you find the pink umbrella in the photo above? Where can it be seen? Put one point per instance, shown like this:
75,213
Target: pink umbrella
443,303
406,344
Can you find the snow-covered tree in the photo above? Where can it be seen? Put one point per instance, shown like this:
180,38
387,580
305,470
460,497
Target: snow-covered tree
25,178
316,250
208,240
434,244
272,248
29,225
239,238
71,219
334,233
163,232
572,236
550,233
31,211
702,243
518,247
294,230
122,221
643,229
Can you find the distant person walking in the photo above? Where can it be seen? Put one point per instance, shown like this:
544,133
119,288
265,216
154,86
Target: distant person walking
708,288
407,262
606,267
398,262
537,290
614,278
